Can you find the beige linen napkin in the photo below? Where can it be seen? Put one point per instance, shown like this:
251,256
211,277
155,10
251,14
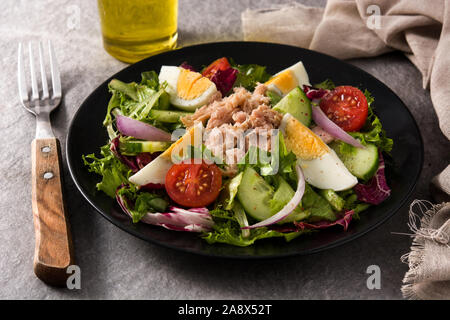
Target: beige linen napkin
365,28
376,27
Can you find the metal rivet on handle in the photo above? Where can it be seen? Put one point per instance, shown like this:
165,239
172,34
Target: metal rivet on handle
46,149
48,175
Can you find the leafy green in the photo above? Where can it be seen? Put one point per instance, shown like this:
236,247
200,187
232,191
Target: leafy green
113,171
249,75
319,208
281,162
227,230
150,79
136,100
326,84
241,218
282,195
230,190
144,202
352,202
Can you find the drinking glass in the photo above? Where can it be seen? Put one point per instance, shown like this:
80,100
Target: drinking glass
135,29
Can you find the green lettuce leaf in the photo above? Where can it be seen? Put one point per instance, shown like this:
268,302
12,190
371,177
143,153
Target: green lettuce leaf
326,84
143,202
319,208
249,75
113,171
136,100
227,230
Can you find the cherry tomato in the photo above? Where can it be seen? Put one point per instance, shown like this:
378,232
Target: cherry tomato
220,64
193,185
346,106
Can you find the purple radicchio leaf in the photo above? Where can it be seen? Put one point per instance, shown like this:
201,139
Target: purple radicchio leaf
177,219
377,190
224,79
344,221
129,161
314,93
187,66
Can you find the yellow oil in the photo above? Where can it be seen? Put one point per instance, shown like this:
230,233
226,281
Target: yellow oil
135,29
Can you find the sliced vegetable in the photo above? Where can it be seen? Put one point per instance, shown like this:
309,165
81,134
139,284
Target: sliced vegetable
332,128
134,147
140,130
281,198
220,64
346,106
297,104
362,163
377,190
254,193
227,230
193,185
167,116
290,207
130,162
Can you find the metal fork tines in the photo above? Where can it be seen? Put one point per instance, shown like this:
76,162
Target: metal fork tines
39,102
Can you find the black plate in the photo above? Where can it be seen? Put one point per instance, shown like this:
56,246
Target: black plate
86,135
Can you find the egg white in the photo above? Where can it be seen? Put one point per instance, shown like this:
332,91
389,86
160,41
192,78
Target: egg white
300,74
328,172
170,74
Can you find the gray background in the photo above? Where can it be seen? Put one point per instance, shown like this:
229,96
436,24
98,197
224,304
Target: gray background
116,265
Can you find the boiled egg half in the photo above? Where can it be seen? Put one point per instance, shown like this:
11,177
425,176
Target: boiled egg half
286,80
321,166
188,90
155,172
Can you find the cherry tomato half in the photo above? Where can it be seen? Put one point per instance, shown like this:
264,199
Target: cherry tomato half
220,64
193,185
346,106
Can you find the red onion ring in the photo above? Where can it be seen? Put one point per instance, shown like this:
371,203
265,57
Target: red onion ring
332,128
140,130
289,208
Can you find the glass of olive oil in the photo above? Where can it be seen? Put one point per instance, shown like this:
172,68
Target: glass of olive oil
135,29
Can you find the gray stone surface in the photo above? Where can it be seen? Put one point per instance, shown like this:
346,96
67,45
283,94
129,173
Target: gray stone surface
114,264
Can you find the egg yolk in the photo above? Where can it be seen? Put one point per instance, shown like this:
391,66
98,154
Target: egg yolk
304,143
285,81
191,84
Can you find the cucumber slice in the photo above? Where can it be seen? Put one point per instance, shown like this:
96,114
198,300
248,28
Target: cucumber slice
260,201
131,148
254,193
333,198
297,104
362,163
167,116
281,197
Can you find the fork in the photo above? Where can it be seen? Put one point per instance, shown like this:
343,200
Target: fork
53,243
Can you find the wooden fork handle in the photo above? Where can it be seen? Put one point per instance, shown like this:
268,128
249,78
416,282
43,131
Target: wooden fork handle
53,248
